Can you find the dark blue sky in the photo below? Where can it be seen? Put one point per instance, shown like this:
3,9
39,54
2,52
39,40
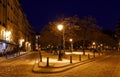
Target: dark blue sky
40,12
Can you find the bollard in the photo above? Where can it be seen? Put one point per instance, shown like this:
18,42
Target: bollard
79,57
70,59
88,56
47,62
40,56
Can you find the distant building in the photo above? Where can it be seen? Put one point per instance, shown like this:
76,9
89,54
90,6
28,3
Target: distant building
37,45
15,29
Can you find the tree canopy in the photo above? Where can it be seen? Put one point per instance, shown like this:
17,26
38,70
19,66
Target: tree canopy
80,30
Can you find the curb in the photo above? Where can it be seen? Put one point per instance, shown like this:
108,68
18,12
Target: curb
61,68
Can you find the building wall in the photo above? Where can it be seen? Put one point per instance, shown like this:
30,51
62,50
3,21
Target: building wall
14,25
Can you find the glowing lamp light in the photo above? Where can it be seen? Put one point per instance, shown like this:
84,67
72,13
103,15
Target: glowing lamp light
93,43
70,40
60,27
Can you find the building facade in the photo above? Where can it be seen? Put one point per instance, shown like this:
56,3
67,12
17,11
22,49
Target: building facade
37,44
15,29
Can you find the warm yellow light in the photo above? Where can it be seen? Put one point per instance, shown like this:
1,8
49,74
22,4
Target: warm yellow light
93,43
21,42
70,40
29,44
60,27
101,44
8,35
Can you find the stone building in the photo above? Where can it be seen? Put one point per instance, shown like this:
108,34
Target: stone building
15,29
37,41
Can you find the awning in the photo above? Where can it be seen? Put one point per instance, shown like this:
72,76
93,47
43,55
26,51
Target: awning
4,41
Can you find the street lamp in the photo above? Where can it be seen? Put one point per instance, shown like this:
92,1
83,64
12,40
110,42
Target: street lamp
71,41
60,28
94,45
101,45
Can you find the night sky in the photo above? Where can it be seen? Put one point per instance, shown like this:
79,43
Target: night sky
40,12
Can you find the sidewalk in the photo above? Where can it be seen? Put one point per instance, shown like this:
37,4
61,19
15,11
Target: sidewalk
54,66
15,55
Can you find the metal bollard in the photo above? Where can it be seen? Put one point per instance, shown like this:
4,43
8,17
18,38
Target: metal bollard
79,57
88,56
47,62
94,54
41,59
40,56
70,59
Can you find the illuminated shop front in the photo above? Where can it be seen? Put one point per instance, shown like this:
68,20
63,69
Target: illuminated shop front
2,47
4,38
15,29
24,45
28,46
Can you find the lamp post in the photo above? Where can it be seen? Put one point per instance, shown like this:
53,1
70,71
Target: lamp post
71,41
60,28
94,46
101,45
